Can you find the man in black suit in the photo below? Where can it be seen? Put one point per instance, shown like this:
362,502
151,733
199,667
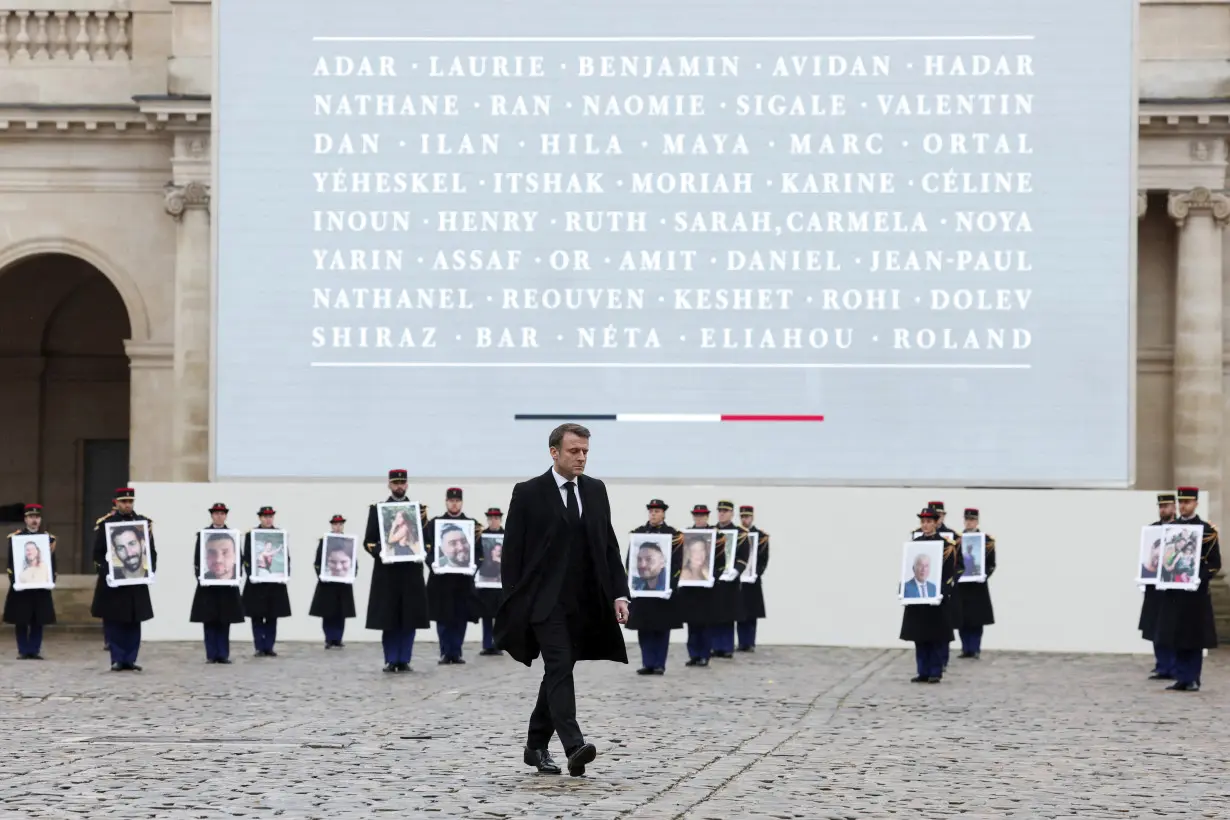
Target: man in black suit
565,591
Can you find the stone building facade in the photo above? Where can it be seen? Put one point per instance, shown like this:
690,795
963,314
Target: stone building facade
105,249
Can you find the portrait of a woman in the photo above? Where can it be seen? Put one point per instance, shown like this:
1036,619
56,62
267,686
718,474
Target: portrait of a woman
696,561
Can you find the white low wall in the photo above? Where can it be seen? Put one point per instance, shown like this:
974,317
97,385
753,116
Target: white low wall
1063,584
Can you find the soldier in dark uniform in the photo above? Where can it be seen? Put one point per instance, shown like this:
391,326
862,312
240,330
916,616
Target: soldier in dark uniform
953,602
332,602
489,597
99,584
975,598
726,596
694,605
122,608
217,607
1163,667
1185,617
264,603
930,627
652,619
450,597
29,610
752,594
397,603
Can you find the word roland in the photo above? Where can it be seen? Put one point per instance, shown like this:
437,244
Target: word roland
991,338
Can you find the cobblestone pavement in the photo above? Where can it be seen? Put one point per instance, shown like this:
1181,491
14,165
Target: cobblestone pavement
783,733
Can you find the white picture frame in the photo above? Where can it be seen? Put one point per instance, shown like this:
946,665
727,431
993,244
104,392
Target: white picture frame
691,575
453,547
1183,544
335,572
1149,551
930,591
122,569
491,544
270,556
973,544
732,545
31,552
401,541
210,558
749,575
661,542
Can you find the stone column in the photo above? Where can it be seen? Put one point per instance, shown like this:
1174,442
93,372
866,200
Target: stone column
152,391
1142,204
1198,393
188,204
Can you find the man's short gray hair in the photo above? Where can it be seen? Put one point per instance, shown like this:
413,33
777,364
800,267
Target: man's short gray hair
557,435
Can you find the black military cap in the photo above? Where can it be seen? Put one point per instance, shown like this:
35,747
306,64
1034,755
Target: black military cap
397,475
453,492
33,509
1165,498
700,509
726,505
929,512
746,509
125,494
337,519
971,512
494,512
938,506
1189,493
657,504
219,507
266,511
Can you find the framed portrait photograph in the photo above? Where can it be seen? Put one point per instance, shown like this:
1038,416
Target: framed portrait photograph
921,572
488,575
699,553
219,558
338,563
749,575
454,547
401,532
649,565
1179,567
974,554
32,561
128,559
1150,555
270,557
732,544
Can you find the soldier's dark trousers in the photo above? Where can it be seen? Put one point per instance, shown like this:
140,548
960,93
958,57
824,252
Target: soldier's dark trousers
488,633
334,628
1188,663
124,640
698,642
1164,658
747,634
217,642
655,644
971,640
929,658
29,638
944,653
452,635
722,638
398,645
264,633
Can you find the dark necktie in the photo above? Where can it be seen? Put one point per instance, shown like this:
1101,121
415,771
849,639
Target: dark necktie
574,508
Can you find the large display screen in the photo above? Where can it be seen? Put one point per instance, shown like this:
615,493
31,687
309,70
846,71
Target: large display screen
831,241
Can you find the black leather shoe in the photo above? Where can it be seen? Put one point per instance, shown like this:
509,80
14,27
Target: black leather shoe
661,670
645,670
918,679
271,654
404,667
132,667
1161,676
223,660
746,649
117,667
390,667
724,655
459,660
541,760
444,661
583,754
490,652
211,660
339,645
1184,687
697,662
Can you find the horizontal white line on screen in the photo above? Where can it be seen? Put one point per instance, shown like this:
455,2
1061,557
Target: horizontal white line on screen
685,365
857,38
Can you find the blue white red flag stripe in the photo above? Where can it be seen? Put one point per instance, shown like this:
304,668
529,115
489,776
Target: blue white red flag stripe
666,417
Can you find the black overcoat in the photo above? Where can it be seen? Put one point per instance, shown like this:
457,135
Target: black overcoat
658,614
934,624
28,607
727,600
331,599
263,600
752,593
488,597
126,604
398,597
698,606
975,597
450,596
211,604
1150,603
1185,618
536,529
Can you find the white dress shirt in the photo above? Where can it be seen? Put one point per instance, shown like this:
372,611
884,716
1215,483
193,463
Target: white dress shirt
563,491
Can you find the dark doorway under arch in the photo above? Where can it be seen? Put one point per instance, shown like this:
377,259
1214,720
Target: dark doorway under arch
65,412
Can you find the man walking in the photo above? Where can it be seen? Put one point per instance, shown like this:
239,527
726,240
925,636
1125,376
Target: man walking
565,591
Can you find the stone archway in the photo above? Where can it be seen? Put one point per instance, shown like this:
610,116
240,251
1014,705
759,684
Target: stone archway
65,412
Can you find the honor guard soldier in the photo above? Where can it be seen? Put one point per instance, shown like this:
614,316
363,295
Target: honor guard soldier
397,603
695,605
952,602
122,608
930,627
652,619
975,598
29,610
264,603
751,593
489,597
217,607
727,598
100,583
332,602
1163,656
1185,617
450,596
942,528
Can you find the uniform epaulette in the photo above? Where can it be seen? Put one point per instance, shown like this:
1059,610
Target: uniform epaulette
14,532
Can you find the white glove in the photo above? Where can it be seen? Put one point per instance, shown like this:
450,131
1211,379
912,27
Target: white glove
730,574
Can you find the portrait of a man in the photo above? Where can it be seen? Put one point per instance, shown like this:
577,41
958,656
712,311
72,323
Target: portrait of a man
401,532
1150,554
269,556
338,563
32,561
489,573
219,557
921,561
649,565
128,552
699,552
454,546
974,554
